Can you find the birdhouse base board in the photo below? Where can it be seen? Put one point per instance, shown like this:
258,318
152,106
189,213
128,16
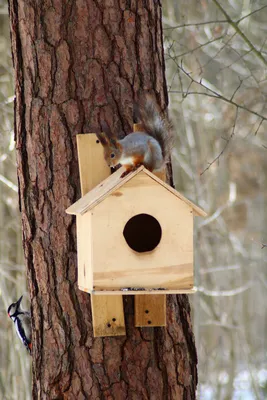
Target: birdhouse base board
151,292
131,291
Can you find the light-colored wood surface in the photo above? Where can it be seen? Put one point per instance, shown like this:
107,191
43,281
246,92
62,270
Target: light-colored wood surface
84,246
168,278
114,182
150,310
108,315
93,170
169,265
101,191
92,166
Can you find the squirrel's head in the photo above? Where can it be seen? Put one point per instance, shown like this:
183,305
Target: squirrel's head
111,146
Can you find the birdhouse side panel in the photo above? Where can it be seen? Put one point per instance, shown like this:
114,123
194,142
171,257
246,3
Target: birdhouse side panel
84,249
116,265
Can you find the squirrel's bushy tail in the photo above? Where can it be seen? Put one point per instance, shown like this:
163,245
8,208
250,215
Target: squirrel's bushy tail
147,112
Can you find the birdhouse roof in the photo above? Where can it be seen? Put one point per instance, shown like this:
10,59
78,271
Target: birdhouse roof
113,183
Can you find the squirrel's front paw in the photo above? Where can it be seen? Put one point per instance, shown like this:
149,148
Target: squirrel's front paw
125,173
128,170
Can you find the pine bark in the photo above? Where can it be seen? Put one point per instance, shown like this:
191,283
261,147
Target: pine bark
77,63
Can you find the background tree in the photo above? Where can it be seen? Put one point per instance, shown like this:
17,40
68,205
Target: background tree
76,64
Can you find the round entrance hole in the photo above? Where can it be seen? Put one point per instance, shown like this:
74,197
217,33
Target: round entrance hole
142,233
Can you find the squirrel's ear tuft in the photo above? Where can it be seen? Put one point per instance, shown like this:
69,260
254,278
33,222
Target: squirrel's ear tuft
136,113
114,143
102,138
106,129
105,134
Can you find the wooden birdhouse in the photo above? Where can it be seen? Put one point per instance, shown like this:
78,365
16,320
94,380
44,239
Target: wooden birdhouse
134,236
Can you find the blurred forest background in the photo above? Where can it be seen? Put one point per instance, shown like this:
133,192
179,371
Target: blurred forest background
216,65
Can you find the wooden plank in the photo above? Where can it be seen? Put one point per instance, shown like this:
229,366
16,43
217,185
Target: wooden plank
114,183
93,170
150,310
92,166
169,278
108,316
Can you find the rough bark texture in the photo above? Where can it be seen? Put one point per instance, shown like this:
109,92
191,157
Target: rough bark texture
77,62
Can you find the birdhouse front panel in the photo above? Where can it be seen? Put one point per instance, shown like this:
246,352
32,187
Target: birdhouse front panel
142,237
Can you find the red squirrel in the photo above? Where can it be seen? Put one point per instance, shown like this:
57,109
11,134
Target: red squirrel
149,147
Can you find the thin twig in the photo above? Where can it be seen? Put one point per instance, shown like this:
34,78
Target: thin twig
261,121
222,268
212,93
223,21
251,13
236,90
196,48
217,158
238,30
218,52
263,245
226,293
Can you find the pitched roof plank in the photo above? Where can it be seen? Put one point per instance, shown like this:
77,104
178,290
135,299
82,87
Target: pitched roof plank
113,183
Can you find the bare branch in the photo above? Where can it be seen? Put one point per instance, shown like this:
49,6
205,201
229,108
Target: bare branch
215,215
238,30
216,95
222,21
219,21
263,245
196,48
236,90
240,57
221,268
8,183
220,324
225,293
261,121
219,51
217,158
248,15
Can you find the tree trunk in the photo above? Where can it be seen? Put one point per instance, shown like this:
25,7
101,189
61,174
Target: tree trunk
77,63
